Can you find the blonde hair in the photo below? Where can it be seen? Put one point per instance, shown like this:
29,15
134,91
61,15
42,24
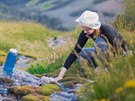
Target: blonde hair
96,33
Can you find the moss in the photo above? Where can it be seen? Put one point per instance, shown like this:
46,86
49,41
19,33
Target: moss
46,98
23,90
30,97
69,84
54,73
38,75
2,59
48,89
35,97
69,79
74,79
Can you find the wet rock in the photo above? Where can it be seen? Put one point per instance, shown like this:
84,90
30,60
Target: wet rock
25,84
63,96
68,95
1,97
6,80
22,61
9,98
3,90
24,78
20,77
35,97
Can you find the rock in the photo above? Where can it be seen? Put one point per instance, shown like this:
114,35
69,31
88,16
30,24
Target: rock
24,78
6,80
1,97
9,98
63,96
3,90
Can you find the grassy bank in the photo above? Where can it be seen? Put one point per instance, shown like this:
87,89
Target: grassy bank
29,38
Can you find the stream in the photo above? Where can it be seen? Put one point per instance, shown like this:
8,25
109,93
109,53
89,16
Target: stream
20,77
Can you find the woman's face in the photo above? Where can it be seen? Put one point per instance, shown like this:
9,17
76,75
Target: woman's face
87,30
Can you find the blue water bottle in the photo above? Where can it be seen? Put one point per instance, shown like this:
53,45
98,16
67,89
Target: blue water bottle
10,62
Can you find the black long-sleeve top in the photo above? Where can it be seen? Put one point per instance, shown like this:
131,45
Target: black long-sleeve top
108,31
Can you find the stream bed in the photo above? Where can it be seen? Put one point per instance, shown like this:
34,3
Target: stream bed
20,78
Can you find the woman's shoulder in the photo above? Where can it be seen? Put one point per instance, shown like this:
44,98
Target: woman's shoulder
108,28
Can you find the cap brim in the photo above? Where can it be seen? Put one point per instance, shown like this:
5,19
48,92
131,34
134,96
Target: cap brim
84,24
77,20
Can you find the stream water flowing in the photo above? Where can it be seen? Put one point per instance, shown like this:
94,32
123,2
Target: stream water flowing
20,77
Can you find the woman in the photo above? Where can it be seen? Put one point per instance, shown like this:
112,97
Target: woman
101,34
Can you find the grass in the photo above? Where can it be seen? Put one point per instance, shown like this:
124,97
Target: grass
31,3
29,38
118,84
110,86
48,5
115,85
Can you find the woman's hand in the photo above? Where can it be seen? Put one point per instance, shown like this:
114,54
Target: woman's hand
47,80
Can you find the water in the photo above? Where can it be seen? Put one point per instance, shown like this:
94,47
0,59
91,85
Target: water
3,90
67,94
20,77
63,96
22,61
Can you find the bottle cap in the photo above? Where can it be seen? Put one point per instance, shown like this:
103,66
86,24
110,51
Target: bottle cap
13,50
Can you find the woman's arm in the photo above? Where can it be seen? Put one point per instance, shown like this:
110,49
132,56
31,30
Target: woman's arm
61,74
72,57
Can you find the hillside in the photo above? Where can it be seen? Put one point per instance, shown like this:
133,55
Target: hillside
29,38
57,14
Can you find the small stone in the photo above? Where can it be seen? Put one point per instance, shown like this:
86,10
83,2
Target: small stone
6,80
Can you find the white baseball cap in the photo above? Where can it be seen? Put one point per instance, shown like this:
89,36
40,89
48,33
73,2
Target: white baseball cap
89,19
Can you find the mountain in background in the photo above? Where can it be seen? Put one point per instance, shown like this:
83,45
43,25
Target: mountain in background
57,14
